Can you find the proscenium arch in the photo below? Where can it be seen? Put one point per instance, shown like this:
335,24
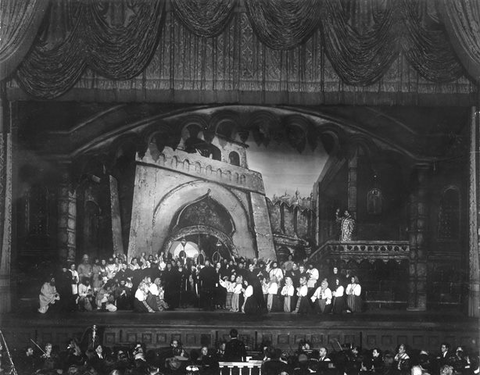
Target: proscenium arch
167,207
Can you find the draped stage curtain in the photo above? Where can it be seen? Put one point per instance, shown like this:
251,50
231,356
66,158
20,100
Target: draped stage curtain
19,23
117,39
462,21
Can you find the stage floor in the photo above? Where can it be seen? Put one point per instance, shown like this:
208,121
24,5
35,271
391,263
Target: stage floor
195,317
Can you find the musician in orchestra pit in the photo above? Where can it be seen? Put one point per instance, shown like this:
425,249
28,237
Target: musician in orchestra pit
273,364
304,347
26,362
176,358
98,359
122,362
461,362
323,354
389,367
206,362
49,360
445,357
402,360
373,361
314,365
74,356
220,351
354,362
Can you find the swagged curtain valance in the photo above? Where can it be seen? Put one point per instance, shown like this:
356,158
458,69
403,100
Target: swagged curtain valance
116,39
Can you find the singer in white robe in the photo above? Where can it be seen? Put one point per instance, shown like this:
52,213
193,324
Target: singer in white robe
48,295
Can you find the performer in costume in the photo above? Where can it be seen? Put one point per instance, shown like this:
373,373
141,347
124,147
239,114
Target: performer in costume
48,295
347,225
353,292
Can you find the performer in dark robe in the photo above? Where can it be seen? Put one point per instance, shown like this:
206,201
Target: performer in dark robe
208,283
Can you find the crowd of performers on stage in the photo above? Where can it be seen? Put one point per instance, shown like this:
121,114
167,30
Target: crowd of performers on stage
158,282
137,359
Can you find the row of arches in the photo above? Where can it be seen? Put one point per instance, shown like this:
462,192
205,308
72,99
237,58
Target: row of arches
195,132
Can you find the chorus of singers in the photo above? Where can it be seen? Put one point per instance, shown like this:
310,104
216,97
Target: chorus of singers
160,282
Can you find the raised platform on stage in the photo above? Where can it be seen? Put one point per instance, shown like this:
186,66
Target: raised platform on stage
375,328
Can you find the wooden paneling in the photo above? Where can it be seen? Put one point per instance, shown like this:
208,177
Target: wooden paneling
368,335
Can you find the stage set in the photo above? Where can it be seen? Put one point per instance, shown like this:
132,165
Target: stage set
235,130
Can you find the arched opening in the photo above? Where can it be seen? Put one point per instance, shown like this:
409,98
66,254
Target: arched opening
196,143
205,211
202,228
282,254
234,158
184,249
199,243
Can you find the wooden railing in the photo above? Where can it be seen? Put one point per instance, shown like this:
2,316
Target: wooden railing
253,367
362,250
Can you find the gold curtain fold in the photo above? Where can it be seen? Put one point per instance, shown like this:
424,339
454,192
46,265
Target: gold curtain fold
283,24
204,18
428,50
57,60
361,58
462,21
122,51
19,24
361,39
116,43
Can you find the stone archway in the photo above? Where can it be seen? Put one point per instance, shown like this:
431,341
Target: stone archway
207,218
202,230
165,217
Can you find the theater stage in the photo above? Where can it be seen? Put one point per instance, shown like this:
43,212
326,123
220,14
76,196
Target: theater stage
383,328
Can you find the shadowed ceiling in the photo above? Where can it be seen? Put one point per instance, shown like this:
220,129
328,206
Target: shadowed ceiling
68,128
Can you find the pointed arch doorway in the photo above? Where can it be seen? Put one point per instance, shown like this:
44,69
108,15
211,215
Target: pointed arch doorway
202,229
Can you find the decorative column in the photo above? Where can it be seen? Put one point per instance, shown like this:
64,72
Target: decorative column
352,184
6,160
67,217
417,293
474,282
117,238
262,227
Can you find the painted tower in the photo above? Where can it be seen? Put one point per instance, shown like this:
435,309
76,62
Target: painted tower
201,195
